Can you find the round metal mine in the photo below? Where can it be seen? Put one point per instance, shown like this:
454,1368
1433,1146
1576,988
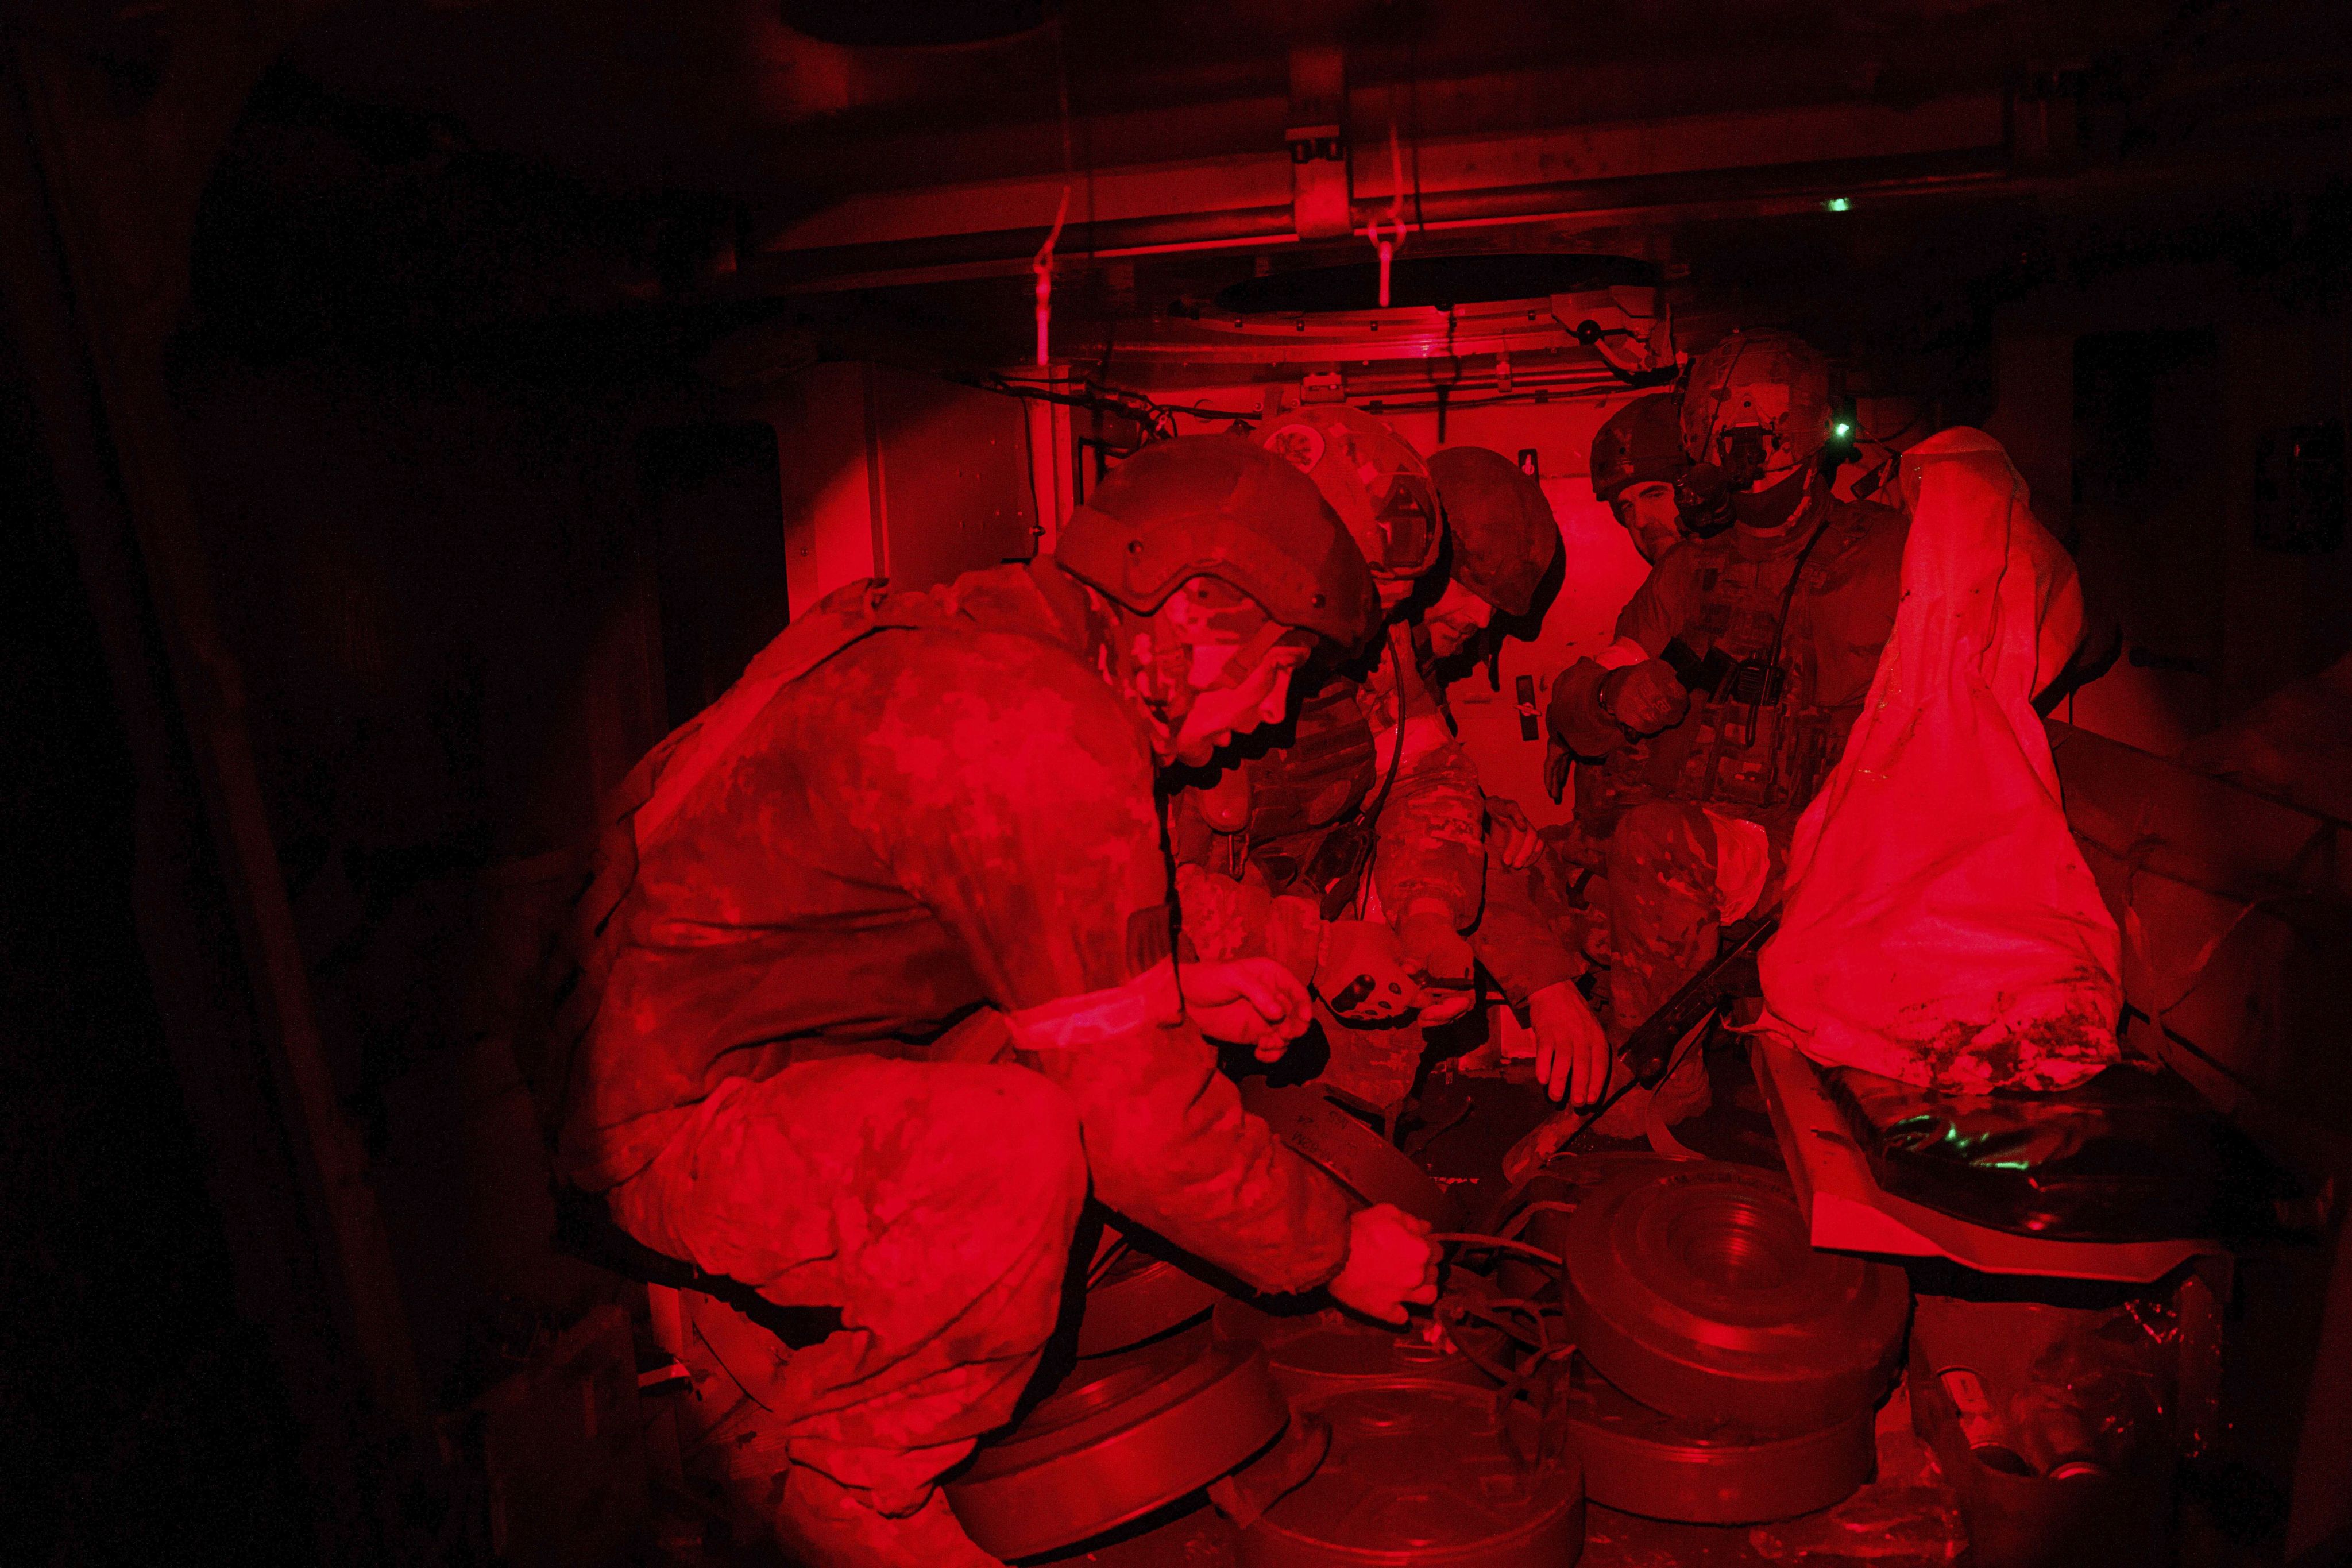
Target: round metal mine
1140,1298
1427,1474
1639,1460
1122,1435
1699,1293
1325,1352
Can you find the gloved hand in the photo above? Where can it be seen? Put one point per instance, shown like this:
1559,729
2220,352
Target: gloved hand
1513,834
1390,1261
1571,1052
1644,697
1254,1001
1439,958
1362,974
1559,766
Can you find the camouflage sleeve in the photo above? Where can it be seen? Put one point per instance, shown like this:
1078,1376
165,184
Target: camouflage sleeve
1514,942
1662,607
1035,839
1666,602
1191,840
1031,833
1169,1146
1430,837
1224,918
1221,918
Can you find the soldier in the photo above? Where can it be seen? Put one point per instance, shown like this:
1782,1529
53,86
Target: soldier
1358,854
1739,666
1637,456
1354,854
912,806
1506,542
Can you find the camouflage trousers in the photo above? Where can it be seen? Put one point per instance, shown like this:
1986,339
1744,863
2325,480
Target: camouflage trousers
932,1202
1665,907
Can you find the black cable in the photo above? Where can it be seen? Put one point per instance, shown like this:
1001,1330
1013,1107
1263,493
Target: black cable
1380,801
1159,418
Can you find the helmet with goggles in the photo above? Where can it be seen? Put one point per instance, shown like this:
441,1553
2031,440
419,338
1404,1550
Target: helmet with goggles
1372,477
1219,507
1756,404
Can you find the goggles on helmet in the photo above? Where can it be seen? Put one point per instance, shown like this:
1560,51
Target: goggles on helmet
1407,513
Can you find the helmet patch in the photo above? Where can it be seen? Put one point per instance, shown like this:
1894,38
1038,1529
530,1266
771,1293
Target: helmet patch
1302,444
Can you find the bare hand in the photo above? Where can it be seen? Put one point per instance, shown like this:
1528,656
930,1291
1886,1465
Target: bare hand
1391,1262
1516,835
1646,697
1572,1058
1253,1001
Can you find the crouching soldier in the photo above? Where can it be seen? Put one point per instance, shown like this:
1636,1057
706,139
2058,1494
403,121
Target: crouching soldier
910,806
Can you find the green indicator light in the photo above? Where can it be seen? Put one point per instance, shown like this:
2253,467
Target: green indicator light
1837,204
1841,430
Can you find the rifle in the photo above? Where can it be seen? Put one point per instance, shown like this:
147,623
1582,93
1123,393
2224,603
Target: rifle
1649,1050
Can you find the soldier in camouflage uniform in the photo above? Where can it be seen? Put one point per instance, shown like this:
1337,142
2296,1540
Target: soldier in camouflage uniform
1357,854
1506,543
910,806
1739,667
1637,456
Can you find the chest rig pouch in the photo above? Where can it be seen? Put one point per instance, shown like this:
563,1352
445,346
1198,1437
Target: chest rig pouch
1755,744
1302,824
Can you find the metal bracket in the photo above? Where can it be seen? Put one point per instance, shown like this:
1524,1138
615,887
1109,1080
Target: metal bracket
1320,191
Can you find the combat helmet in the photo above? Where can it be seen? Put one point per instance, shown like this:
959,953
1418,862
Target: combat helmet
1372,477
1757,400
1505,538
1220,507
1640,444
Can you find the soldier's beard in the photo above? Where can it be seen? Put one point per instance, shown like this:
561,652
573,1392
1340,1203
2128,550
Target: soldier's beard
1260,696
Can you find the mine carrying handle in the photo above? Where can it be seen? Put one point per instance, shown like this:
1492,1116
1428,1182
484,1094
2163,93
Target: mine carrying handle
1730,973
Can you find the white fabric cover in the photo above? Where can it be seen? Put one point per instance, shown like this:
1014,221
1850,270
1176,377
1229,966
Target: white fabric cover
1940,926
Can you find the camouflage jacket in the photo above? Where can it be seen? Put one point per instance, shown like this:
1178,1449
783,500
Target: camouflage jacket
1297,821
910,806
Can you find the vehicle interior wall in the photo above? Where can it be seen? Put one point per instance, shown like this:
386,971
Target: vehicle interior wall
463,606
2149,420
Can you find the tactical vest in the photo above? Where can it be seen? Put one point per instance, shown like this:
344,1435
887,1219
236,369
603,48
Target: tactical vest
1759,745
1299,817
